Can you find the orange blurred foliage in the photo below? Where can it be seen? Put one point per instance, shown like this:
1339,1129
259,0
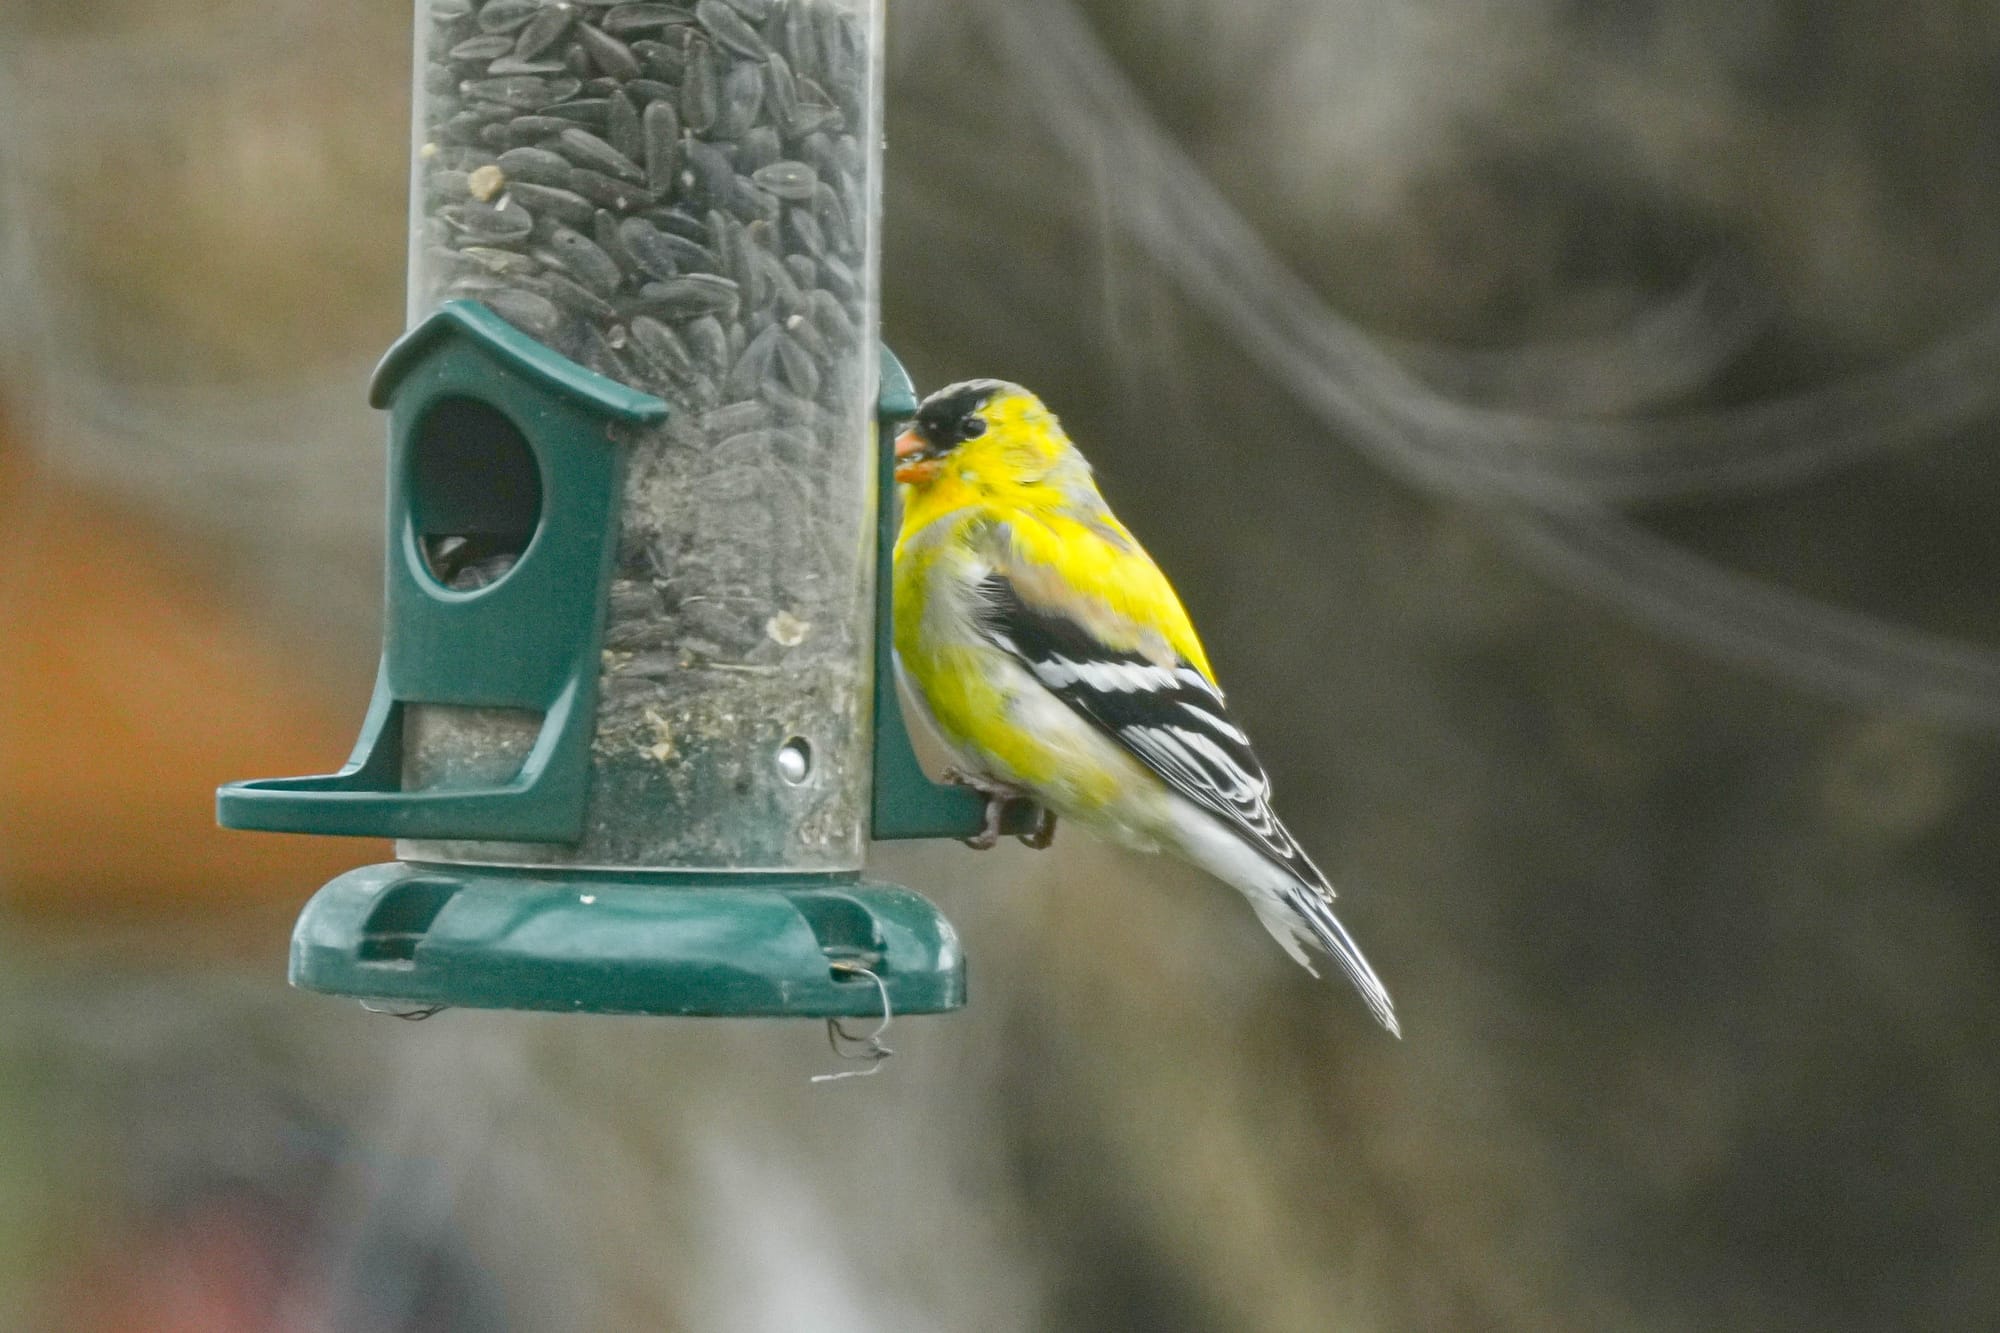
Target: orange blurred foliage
128,691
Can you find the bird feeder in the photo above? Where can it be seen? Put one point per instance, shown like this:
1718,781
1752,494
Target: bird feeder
635,720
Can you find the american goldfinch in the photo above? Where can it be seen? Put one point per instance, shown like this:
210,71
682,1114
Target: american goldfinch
1055,663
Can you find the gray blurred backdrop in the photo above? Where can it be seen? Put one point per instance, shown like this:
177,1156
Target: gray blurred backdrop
1571,424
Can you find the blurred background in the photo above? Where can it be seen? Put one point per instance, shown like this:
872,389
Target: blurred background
1572,425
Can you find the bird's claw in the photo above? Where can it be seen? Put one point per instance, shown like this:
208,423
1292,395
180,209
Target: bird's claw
988,836
999,796
1044,831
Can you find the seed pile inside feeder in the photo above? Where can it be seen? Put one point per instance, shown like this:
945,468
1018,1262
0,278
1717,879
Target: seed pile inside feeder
676,197
679,197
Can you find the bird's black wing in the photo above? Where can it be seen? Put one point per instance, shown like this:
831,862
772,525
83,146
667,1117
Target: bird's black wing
1171,719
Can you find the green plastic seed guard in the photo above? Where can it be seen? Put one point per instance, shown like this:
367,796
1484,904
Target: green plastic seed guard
636,720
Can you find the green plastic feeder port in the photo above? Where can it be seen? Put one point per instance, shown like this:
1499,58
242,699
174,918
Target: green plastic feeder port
636,719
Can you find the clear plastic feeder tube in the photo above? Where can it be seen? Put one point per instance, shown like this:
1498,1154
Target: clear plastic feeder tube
682,197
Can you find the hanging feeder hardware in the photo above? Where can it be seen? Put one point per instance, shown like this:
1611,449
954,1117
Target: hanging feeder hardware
636,720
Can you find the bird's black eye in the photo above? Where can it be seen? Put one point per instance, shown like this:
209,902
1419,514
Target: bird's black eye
971,428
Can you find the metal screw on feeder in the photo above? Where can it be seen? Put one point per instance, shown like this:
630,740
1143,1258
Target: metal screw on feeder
635,720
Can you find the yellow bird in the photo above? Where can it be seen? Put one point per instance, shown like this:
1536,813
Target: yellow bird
1054,662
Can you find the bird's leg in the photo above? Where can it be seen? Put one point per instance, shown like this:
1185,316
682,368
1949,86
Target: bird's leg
998,796
1044,831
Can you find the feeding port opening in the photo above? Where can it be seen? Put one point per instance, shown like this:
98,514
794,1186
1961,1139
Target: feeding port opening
397,925
475,493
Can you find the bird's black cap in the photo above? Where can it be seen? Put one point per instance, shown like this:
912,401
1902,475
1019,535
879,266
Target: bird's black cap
941,421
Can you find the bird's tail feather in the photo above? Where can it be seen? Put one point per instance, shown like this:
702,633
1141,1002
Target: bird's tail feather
1294,902
1311,904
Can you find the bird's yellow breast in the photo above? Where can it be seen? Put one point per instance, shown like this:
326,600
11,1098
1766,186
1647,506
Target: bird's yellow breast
984,705
1058,554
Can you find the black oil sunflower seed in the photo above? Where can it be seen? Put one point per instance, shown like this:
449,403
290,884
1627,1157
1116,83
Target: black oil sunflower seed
553,201
661,60
679,222
651,249
689,296
607,52
535,129
488,222
609,191
585,260
621,128
806,334
742,98
626,19
519,92
660,135
489,47
646,91
840,279
543,31
566,291
526,311
587,150
731,29
591,112
734,419
796,366
775,278
759,147
661,345
535,165
783,88
832,318
801,40
701,89
690,254
708,343
505,262
787,180
804,231
505,15
706,175
604,229
516,65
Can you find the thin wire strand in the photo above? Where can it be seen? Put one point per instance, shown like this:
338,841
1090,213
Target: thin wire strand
1550,480
1189,228
870,1046
415,1014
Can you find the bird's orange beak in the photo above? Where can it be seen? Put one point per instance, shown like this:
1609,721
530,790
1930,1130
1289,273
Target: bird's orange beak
911,467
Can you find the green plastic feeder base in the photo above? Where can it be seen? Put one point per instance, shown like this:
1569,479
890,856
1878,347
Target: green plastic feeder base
723,945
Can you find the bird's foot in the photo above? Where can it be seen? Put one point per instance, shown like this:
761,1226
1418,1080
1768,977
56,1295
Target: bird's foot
1044,831
999,796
